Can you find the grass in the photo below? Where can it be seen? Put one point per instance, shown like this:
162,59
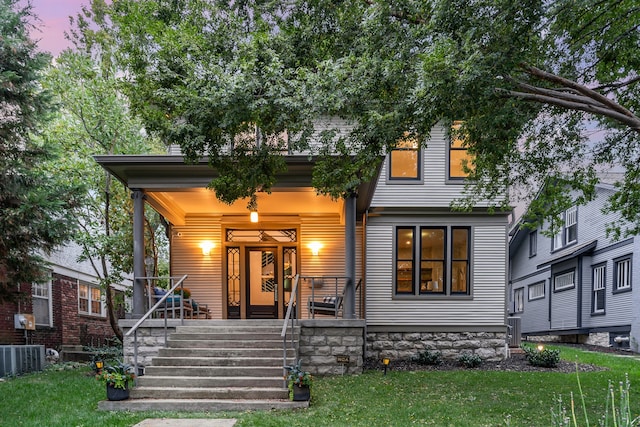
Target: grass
431,398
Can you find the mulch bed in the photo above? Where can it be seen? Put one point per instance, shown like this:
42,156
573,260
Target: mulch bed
515,363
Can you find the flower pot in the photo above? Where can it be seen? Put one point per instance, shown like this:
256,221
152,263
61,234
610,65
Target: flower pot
117,393
301,393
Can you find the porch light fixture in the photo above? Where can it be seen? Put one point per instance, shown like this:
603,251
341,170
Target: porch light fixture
206,247
253,209
315,248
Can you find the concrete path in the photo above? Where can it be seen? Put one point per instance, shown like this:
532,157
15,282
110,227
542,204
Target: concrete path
187,422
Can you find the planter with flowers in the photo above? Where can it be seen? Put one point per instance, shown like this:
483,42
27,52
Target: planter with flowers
118,378
299,382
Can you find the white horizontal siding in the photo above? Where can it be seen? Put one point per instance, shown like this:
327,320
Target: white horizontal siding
487,306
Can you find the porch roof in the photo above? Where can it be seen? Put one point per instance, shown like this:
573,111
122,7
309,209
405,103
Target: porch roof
178,189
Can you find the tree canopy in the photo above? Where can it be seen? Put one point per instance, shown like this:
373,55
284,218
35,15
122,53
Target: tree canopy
36,202
528,79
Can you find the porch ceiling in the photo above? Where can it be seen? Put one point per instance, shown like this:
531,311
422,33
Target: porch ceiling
178,190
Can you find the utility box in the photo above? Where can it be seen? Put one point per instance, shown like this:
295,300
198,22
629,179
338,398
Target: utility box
24,321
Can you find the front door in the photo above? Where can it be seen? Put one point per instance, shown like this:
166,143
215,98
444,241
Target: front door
262,285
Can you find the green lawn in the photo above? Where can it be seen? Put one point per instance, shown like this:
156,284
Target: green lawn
435,398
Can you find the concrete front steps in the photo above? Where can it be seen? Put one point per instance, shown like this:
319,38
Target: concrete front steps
215,366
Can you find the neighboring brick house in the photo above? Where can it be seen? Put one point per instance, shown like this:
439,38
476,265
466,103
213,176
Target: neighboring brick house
68,309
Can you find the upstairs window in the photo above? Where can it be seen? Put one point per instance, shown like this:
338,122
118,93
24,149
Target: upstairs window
404,160
568,232
533,243
458,154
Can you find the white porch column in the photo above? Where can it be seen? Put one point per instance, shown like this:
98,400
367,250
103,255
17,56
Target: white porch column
138,308
349,302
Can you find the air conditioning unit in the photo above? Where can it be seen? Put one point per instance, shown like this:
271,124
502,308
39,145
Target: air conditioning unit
20,359
514,326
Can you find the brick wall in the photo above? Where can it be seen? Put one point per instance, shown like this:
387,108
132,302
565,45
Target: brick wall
69,326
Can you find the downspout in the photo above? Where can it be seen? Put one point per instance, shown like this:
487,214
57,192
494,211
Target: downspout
350,257
138,253
579,298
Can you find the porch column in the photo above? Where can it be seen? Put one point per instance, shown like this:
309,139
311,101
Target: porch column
138,253
349,302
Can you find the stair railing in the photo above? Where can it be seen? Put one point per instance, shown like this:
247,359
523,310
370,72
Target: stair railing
170,292
290,316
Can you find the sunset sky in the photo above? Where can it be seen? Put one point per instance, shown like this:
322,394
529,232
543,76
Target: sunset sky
54,15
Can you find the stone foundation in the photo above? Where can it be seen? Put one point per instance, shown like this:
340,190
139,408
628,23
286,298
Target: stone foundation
490,346
322,342
151,338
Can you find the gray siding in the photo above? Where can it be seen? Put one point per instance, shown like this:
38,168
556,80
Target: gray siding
488,272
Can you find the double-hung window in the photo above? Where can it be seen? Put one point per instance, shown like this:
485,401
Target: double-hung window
404,160
459,157
41,302
90,299
568,232
622,274
518,300
599,288
432,261
533,243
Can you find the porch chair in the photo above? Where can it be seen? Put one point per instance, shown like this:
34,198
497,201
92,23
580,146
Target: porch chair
199,309
172,304
327,304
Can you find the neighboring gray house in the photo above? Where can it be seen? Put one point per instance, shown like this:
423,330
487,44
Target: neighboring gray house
579,285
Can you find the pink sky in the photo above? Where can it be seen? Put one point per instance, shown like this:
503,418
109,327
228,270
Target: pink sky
54,15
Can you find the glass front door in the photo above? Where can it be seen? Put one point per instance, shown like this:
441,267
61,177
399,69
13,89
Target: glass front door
262,283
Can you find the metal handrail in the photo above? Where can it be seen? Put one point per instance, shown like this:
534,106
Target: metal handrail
145,316
283,334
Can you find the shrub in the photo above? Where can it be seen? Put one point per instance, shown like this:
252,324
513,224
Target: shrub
469,360
428,357
546,358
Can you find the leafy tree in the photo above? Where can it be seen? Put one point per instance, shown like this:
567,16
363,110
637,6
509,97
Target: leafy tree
36,205
94,119
528,79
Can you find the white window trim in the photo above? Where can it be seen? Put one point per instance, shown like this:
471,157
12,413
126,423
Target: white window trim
626,272
568,285
90,286
599,285
532,288
49,302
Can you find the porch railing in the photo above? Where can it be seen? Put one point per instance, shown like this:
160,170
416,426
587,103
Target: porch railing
170,292
334,287
290,317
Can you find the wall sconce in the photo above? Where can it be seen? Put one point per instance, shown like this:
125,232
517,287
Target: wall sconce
206,247
253,216
315,248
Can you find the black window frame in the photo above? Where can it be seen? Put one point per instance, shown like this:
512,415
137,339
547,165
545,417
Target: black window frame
418,178
616,285
533,243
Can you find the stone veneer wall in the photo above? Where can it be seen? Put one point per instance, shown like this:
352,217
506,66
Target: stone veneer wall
490,346
150,339
322,341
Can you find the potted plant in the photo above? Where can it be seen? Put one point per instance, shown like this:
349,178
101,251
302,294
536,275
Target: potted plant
185,292
298,382
117,379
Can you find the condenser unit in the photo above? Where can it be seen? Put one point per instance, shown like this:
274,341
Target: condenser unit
20,359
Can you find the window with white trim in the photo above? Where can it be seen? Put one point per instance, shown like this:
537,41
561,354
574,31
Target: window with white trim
622,274
518,300
564,281
599,288
90,299
536,291
568,233
41,303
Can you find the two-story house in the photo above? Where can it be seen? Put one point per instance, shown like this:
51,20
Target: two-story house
578,285
430,277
